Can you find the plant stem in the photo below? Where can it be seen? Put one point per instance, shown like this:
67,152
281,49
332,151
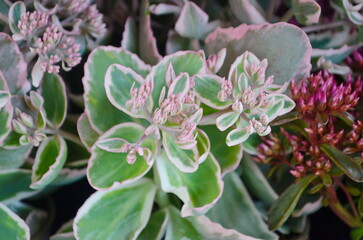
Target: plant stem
195,44
287,16
348,196
323,26
340,211
205,120
270,10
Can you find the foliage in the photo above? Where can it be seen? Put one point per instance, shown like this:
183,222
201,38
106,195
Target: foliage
187,130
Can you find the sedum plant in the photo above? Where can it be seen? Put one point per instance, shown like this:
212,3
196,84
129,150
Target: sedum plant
210,121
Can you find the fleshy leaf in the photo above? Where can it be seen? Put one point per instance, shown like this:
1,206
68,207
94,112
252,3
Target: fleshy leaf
247,11
285,59
106,168
54,94
14,157
13,66
119,213
243,217
256,182
184,159
344,162
49,161
306,11
198,190
282,208
227,157
102,114
6,115
118,82
129,36
156,227
237,136
14,185
192,21
86,133
148,50
15,12
180,85
226,120
207,88
198,228
12,226
111,144
187,61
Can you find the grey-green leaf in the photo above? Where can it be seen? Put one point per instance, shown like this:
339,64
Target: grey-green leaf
12,226
119,213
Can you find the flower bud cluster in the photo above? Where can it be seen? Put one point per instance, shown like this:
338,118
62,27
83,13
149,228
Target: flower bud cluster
30,22
93,22
355,61
321,95
73,6
139,96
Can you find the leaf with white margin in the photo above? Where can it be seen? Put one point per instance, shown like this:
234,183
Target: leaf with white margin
184,61
12,226
85,131
198,228
226,120
242,217
176,43
274,110
237,136
107,168
286,59
247,11
121,212
306,11
180,85
102,114
118,82
6,109
199,190
187,160
207,88
13,66
54,94
192,21
164,8
156,227
278,108
16,10
14,185
14,157
49,160
227,157
148,50
129,36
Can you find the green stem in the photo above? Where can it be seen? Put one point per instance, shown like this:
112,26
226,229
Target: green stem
195,44
270,10
287,16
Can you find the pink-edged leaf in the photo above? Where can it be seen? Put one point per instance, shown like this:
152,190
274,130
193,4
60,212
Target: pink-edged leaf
86,133
286,58
129,36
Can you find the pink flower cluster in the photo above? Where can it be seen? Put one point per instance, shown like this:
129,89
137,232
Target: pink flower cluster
30,21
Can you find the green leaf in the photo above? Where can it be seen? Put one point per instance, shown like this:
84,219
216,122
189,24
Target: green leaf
14,185
256,182
237,136
282,208
198,228
6,115
148,50
207,88
129,36
13,157
286,60
116,214
347,164
227,157
250,145
13,67
15,12
243,217
184,61
12,226
198,190
156,227
54,94
118,82
102,114
106,168
306,11
192,21
247,11
86,133
49,161
186,160
360,204
226,120
353,14
274,110
357,234
180,85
